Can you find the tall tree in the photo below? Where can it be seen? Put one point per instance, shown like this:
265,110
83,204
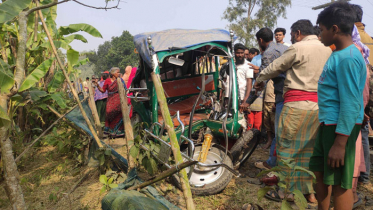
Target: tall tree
245,24
118,52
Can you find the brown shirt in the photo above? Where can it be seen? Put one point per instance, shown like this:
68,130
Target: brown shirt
303,63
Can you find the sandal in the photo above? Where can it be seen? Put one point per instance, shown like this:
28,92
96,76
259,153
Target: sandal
357,203
273,195
260,165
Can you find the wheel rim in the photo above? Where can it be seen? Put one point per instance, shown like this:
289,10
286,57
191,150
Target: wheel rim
203,175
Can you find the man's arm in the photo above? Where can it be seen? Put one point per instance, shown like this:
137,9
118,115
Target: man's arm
279,65
249,85
350,106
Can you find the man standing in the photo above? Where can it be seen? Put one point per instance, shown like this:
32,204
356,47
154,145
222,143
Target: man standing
280,35
303,63
368,41
245,73
251,53
271,51
85,85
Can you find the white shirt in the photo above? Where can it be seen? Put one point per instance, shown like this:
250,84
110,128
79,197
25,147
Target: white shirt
244,72
286,44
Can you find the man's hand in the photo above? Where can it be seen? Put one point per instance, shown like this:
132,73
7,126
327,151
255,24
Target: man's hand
253,66
244,106
336,156
259,86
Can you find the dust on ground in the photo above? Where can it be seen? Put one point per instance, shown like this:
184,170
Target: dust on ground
46,177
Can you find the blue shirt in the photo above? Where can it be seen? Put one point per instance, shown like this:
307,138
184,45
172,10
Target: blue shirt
340,90
257,60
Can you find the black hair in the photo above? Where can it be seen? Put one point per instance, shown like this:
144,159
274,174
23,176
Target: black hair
280,30
239,46
340,14
265,33
304,26
316,30
104,76
253,51
87,78
359,12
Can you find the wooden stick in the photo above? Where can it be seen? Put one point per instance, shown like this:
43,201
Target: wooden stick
67,121
126,122
94,134
41,135
92,105
173,139
163,175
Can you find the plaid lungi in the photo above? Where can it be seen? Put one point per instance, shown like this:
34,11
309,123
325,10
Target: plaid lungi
297,131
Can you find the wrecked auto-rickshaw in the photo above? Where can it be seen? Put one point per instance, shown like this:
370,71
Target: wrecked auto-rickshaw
205,113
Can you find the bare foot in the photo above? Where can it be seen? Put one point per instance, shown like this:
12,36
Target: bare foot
311,198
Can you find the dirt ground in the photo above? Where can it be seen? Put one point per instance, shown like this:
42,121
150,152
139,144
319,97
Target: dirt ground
46,177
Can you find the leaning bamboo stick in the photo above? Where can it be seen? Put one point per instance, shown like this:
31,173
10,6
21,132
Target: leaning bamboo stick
173,139
94,134
67,121
92,105
163,175
126,122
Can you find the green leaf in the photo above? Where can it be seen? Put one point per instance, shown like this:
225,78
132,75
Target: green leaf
56,82
35,94
72,57
103,179
108,152
58,44
36,75
113,186
281,185
11,8
298,168
102,160
263,191
58,98
72,28
73,37
286,205
110,181
134,151
103,189
274,169
300,200
6,79
4,118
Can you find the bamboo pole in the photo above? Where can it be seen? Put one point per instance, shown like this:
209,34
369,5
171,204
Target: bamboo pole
41,135
92,105
67,121
126,122
95,137
163,175
173,139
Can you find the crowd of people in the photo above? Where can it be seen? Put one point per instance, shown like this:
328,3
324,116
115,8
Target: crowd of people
106,97
313,101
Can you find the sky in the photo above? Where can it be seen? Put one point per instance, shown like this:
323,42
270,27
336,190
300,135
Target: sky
138,16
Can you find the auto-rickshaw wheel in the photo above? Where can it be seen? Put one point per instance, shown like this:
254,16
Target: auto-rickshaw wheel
207,180
244,145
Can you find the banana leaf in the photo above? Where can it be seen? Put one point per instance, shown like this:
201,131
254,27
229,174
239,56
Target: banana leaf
11,8
36,75
72,28
6,78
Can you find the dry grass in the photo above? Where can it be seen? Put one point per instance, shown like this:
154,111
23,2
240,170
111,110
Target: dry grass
46,176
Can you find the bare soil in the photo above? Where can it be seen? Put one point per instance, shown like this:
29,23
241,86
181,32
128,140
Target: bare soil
46,177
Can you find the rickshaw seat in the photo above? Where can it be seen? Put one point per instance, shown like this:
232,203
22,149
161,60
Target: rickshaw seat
185,118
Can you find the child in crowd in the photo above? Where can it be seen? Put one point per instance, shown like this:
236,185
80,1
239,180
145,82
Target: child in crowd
340,100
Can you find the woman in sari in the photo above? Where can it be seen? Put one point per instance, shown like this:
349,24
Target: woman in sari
113,124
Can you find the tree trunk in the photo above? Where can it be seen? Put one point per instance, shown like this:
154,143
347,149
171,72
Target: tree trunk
126,122
11,175
173,140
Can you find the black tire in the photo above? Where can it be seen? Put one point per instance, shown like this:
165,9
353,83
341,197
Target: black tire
217,185
245,144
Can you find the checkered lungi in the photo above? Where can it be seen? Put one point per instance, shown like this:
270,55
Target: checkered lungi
297,131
